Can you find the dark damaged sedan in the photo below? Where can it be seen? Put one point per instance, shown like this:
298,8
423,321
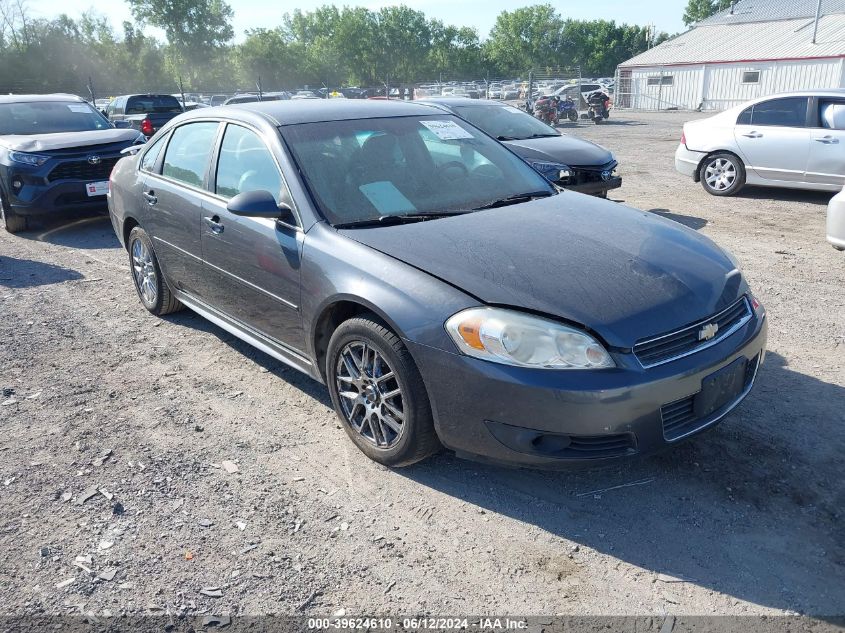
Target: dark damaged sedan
443,290
567,161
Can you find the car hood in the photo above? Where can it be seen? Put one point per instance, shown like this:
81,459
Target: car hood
623,273
563,149
66,140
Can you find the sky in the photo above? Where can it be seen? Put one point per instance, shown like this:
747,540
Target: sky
481,14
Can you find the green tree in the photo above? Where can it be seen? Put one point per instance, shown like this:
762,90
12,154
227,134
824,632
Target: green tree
529,37
197,32
697,10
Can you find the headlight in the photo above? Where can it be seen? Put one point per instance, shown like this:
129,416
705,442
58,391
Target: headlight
551,171
513,338
35,160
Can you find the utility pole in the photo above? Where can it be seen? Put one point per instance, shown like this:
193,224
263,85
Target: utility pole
182,91
91,92
258,87
816,24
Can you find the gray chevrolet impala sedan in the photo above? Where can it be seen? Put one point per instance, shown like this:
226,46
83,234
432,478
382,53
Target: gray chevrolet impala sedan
443,290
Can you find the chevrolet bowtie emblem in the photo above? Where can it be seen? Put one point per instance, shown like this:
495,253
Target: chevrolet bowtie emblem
708,331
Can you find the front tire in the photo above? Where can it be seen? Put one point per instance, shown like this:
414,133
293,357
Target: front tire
14,223
153,291
378,393
722,174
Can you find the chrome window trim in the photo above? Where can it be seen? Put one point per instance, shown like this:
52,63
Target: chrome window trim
714,341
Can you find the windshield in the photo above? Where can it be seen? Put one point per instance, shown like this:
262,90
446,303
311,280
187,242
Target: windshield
165,104
505,122
367,169
49,117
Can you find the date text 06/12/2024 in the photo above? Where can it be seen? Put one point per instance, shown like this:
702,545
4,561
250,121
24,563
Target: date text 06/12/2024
417,623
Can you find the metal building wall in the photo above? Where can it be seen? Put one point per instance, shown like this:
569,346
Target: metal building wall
720,86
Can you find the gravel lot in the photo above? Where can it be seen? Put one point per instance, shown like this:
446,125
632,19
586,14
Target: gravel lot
98,394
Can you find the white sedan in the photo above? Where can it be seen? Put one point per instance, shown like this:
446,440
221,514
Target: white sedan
836,221
794,140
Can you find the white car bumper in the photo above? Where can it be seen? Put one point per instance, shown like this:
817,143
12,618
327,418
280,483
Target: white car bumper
836,221
686,160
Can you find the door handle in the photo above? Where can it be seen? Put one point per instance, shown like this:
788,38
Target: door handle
753,135
827,140
150,197
214,224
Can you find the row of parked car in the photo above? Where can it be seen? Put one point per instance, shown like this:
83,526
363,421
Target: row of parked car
59,150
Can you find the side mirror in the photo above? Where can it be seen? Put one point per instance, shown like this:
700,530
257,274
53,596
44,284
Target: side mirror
122,125
260,204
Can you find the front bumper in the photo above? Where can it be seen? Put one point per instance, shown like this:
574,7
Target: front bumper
599,186
548,418
836,221
687,161
36,199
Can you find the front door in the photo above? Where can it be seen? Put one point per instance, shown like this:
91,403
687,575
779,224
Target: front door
252,264
174,192
826,165
774,140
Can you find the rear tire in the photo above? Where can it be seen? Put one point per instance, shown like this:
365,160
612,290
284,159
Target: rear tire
153,291
722,174
14,223
378,393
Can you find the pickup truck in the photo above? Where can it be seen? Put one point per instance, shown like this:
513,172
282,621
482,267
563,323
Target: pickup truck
143,112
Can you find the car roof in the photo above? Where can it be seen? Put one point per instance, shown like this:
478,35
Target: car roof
322,110
48,97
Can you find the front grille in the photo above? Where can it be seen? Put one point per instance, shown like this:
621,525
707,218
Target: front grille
679,417
597,446
583,175
83,170
687,340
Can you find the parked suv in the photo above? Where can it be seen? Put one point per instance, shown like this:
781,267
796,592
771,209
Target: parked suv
145,113
56,154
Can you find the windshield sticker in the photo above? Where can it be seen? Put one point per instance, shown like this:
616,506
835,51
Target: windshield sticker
386,198
447,130
79,108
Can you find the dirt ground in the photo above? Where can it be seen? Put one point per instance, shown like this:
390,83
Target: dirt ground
100,395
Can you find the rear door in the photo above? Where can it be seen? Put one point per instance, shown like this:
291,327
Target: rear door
826,164
773,138
173,193
253,264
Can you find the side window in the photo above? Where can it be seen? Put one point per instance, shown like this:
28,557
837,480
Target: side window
245,164
832,115
118,105
150,157
188,151
745,117
786,112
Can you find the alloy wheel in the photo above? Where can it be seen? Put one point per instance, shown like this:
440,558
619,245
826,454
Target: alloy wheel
720,174
144,272
370,394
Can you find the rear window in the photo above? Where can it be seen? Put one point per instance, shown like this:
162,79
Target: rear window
786,112
153,103
188,151
833,115
49,117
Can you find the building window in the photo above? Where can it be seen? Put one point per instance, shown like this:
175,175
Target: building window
751,77
665,80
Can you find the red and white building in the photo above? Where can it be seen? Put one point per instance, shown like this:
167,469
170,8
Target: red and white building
754,48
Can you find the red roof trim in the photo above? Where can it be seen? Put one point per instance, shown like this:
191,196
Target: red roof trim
735,61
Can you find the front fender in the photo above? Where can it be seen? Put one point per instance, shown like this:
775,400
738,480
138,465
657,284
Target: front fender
412,302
